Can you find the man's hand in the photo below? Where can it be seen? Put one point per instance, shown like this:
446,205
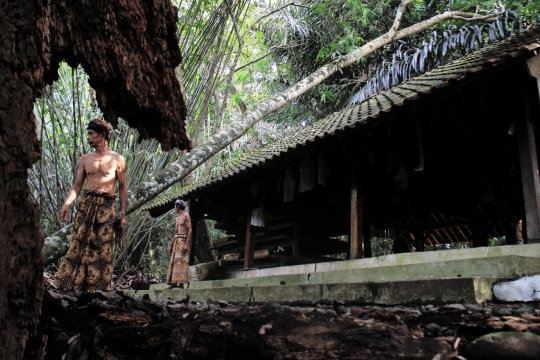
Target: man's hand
122,223
64,213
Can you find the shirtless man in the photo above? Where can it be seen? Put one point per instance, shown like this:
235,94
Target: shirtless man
180,247
88,264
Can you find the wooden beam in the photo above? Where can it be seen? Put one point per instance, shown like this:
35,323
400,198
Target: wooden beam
529,170
356,231
249,250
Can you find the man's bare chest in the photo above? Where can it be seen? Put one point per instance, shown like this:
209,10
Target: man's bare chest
104,165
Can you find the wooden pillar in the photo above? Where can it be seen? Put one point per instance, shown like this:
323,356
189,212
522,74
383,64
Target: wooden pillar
357,209
249,251
529,169
419,237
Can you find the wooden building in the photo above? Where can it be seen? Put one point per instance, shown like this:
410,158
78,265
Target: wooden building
449,156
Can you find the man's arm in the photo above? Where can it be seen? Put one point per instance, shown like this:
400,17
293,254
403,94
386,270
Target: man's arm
122,187
75,190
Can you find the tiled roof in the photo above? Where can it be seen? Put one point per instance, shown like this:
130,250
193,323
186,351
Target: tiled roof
518,46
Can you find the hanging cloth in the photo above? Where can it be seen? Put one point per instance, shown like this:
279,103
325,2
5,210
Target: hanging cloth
322,170
257,216
307,174
289,183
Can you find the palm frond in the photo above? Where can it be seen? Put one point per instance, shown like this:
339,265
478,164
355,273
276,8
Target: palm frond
440,48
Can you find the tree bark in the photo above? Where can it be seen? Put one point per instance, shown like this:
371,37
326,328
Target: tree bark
21,275
176,171
130,51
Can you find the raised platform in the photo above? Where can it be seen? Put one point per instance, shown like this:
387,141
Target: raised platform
464,275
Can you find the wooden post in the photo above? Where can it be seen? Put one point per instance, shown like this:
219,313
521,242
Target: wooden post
356,233
529,171
249,251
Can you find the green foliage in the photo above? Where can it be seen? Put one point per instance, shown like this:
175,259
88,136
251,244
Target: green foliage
447,246
500,241
155,260
381,246
213,233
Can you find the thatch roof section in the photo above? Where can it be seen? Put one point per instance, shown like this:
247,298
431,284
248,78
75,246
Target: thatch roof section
517,47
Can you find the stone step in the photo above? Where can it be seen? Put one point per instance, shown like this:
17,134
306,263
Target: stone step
464,275
502,266
429,291
527,250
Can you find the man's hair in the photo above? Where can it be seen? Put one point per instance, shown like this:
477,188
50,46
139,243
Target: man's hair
101,127
181,204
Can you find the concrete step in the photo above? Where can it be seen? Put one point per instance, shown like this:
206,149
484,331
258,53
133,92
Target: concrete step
430,291
464,275
501,266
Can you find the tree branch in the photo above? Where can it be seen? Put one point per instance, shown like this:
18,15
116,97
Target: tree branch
254,61
399,16
279,9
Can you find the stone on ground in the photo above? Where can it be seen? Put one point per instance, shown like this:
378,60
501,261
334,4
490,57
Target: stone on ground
504,346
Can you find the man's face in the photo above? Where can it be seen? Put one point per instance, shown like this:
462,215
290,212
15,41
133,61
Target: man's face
94,138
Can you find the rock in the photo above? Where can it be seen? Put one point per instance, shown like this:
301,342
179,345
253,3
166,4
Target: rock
223,304
56,295
526,288
384,315
432,330
332,312
504,346
448,332
176,306
456,307
473,307
524,310
503,311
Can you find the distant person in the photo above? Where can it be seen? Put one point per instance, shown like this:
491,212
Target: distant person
88,264
180,248
519,232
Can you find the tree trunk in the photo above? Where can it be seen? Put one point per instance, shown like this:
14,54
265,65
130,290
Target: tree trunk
130,51
21,240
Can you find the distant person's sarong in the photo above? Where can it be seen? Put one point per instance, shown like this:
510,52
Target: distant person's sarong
88,264
179,263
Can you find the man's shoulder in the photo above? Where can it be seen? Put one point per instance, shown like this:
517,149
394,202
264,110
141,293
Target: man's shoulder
117,156
87,156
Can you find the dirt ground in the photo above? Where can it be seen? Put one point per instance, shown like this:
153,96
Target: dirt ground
112,325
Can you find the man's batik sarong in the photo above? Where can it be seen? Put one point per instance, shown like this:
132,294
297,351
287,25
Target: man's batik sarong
88,264
179,263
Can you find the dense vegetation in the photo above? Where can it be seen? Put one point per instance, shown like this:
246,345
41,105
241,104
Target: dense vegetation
238,53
